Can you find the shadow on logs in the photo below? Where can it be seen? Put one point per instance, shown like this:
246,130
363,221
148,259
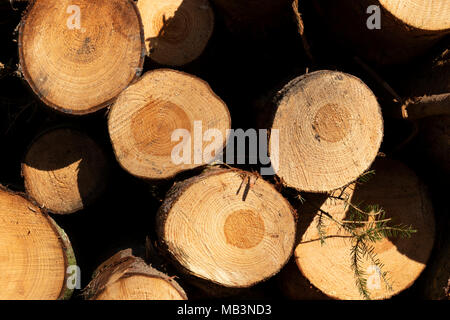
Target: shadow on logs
328,266
64,170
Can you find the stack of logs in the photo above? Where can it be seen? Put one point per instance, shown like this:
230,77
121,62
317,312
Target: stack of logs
220,226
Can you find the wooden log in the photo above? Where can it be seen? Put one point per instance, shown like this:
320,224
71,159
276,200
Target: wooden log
428,106
176,31
126,277
330,130
146,115
77,57
408,28
35,253
64,170
432,107
329,267
427,89
228,227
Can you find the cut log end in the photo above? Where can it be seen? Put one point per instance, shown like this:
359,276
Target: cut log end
176,31
125,277
154,124
227,227
330,130
398,191
64,171
77,58
35,252
420,14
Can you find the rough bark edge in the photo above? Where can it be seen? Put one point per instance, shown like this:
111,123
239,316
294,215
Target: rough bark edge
426,106
77,131
428,93
69,257
29,81
293,85
68,253
127,265
171,177
173,196
301,30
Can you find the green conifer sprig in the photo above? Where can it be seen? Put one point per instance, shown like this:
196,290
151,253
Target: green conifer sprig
365,227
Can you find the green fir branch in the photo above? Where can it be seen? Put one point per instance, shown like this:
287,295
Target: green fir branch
321,230
366,176
365,227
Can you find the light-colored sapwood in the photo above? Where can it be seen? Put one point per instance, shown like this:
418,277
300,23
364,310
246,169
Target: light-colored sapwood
77,57
228,227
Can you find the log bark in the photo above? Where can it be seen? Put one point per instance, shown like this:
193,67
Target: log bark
408,28
64,170
126,277
427,106
35,252
427,89
146,116
78,58
176,31
228,227
397,190
330,130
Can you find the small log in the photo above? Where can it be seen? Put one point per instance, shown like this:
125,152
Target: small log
78,57
176,31
64,170
126,277
428,89
35,253
330,130
146,115
426,106
397,190
228,227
